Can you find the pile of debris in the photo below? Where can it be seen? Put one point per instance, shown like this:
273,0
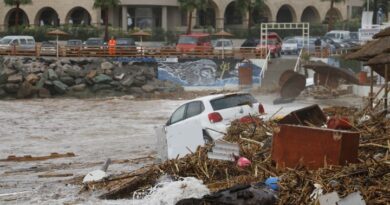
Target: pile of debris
298,184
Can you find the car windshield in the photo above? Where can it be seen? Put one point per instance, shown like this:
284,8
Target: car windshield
74,43
94,42
272,41
5,41
331,35
124,42
187,40
291,41
229,101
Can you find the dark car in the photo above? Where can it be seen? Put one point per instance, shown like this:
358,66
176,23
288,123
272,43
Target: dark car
126,46
48,48
73,46
94,44
250,43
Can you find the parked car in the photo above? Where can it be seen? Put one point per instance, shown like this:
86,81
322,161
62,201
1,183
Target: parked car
126,45
290,46
74,43
48,48
20,42
223,44
250,43
274,44
338,36
193,42
205,119
94,44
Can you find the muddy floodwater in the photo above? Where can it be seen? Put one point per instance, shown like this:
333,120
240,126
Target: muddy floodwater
94,130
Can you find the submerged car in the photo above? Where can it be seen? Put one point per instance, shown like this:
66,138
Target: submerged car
204,120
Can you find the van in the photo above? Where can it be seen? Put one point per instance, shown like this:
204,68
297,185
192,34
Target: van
338,36
20,42
194,41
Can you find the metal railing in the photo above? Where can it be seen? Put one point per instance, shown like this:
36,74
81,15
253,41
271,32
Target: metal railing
298,63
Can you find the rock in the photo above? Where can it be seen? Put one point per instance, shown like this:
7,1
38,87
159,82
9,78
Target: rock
74,71
127,81
41,82
106,66
119,76
52,74
69,81
148,88
79,81
18,65
136,90
8,71
78,88
91,74
11,87
44,93
100,79
3,94
25,90
16,78
53,66
32,78
65,61
108,72
98,87
115,84
60,87
139,80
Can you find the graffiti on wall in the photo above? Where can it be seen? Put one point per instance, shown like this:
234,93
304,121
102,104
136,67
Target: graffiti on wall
205,72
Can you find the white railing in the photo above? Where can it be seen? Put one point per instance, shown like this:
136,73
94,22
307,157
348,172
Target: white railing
298,63
264,67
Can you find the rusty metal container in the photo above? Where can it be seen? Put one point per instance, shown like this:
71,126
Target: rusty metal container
245,73
311,115
313,147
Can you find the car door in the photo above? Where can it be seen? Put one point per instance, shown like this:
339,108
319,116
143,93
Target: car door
184,130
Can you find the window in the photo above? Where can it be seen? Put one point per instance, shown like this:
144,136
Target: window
232,101
23,41
30,41
178,115
194,108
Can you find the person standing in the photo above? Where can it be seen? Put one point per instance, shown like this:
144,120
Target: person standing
112,46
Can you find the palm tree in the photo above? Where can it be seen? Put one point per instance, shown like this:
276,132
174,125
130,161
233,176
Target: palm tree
105,5
189,6
250,6
331,10
17,3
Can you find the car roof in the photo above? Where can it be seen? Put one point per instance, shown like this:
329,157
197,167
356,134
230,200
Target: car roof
18,37
216,96
94,39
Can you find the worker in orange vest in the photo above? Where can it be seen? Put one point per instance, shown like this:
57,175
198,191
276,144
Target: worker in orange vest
111,46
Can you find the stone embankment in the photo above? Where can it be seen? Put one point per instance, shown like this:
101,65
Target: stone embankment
23,77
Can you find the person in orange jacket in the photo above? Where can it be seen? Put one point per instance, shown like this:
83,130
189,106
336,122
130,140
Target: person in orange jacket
112,46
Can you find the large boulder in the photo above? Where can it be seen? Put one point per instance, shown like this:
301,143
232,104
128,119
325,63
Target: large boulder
44,93
3,94
98,87
60,87
18,65
127,81
148,88
16,78
91,74
52,74
79,81
32,78
106,66
69,81
73,71
101,79
11,88
140,80
78,88
25,90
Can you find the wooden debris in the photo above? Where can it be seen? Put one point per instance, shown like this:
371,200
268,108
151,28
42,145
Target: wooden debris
27,158
54,175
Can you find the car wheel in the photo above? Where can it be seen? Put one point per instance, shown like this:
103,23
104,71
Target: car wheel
206,137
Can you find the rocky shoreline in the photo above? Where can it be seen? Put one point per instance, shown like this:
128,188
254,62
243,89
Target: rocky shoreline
25,77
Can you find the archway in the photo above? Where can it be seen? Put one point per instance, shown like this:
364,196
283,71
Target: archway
207,17
262,16
286,14
47,16
10,18
232,15
334,14
78,16
310,15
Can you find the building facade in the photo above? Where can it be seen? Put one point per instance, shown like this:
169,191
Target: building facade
220,14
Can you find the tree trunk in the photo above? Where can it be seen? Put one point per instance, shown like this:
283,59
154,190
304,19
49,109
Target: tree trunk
331,16
249,19
106,25
189,24
17,17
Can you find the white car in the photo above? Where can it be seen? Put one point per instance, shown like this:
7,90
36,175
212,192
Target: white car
290,46
203,120
223,45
